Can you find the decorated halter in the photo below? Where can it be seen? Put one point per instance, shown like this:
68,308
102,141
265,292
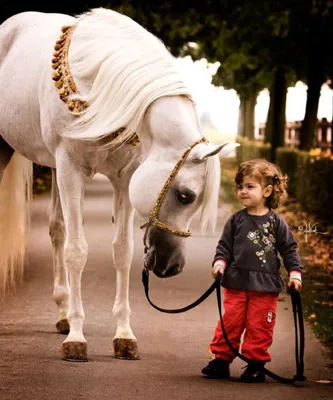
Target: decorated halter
153,219
64,82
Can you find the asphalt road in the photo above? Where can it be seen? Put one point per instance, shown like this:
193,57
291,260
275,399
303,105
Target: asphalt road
173,348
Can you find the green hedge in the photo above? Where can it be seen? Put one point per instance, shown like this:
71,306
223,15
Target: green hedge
249,149
287,159
310,177
314,185
310,181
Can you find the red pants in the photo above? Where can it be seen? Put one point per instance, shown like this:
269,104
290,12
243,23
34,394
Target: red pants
253,312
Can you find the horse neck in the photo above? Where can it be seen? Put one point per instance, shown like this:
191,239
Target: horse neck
170,122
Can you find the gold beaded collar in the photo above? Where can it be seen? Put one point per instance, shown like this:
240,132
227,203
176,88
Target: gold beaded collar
64,82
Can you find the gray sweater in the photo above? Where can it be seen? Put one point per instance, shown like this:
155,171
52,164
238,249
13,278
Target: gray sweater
250,245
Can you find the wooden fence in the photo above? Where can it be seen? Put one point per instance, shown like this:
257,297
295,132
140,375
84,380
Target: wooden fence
292,131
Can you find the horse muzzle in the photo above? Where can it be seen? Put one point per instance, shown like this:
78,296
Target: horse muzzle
165,254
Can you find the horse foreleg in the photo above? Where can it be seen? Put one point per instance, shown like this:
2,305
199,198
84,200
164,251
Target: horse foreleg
61,291
71,181
124,342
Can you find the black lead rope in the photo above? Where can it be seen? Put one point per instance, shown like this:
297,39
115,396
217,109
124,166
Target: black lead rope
145,281
298,320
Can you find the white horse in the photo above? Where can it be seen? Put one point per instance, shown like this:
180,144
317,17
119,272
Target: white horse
116,104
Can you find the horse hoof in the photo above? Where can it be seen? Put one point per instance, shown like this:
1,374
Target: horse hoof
74,351
63,326
126,349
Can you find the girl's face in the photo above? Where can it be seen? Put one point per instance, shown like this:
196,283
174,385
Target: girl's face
252,195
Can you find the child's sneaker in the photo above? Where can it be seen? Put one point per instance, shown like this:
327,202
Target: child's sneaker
254,373
217,368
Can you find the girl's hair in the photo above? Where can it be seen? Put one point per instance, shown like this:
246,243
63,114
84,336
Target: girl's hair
266,174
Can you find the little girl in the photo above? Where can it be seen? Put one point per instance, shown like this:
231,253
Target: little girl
247,258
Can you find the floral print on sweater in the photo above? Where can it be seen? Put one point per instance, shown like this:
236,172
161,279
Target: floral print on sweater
264,238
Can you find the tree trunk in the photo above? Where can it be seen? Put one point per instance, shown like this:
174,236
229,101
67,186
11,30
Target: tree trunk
309,125
246,116
276,119
250,115
241,117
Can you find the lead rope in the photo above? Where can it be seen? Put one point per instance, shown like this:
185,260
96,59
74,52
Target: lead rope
298,321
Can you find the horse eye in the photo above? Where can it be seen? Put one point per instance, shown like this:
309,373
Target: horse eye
185,198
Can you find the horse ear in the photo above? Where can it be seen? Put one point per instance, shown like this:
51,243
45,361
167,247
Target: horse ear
223,149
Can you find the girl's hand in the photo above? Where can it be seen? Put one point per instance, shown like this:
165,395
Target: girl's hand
296,284
217,271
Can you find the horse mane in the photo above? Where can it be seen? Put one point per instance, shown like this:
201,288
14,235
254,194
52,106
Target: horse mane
211,195
128,68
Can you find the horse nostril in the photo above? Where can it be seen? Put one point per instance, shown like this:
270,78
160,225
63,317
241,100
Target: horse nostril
174,270
149,258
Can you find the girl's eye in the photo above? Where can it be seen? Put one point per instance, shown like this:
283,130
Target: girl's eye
185,198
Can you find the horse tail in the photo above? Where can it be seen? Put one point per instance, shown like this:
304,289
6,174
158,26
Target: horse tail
15,211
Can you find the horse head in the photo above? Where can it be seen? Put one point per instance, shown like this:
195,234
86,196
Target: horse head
167,190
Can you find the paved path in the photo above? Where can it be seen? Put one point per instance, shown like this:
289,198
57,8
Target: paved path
173,348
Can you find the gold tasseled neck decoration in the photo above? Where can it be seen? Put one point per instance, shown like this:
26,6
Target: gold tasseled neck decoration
64,82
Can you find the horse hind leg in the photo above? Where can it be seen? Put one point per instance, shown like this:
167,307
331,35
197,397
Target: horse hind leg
61,291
